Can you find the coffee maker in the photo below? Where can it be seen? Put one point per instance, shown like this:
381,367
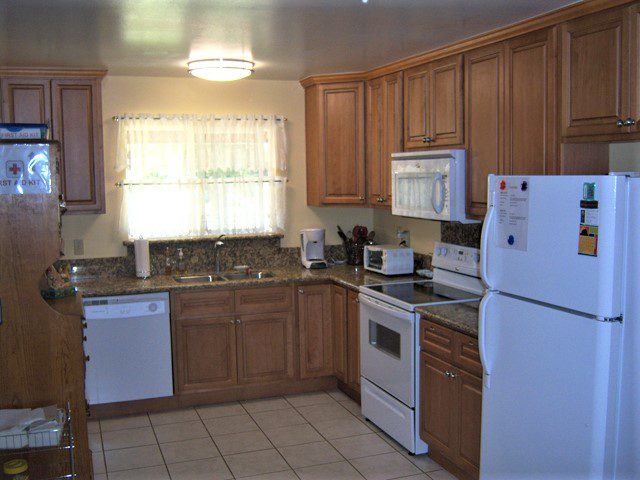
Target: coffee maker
312,248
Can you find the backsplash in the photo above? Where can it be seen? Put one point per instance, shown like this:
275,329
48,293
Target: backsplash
467,235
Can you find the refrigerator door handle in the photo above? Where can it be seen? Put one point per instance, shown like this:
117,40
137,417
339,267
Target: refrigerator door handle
484,238
482,339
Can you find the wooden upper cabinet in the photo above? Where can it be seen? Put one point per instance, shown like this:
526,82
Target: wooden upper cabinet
78,127
339,318
595,74
335,144
384,135
314,323
484,121
265,347
433,107
530,104
26,100
634,90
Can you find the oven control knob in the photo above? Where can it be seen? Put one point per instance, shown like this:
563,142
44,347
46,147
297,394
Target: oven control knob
444,251
153,307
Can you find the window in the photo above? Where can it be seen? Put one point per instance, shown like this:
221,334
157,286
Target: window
193,176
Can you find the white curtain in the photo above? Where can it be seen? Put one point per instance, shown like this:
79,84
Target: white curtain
192,176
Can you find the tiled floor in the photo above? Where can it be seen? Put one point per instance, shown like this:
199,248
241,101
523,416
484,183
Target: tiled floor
316,436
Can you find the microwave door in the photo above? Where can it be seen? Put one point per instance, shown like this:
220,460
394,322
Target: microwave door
419,194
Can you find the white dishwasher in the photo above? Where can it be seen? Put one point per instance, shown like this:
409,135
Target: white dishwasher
129,348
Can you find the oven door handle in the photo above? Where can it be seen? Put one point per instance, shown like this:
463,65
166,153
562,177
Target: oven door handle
386,308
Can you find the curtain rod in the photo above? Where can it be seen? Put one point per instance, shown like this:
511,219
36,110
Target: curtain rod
117,118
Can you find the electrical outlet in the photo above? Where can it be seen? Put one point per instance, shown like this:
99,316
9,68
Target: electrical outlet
403,236
78,246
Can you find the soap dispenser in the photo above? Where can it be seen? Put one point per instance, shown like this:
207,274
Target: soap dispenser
180,266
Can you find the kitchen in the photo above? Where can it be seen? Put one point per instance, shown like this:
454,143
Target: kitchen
101,236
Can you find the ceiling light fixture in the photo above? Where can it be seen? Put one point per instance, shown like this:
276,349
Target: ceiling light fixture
221,69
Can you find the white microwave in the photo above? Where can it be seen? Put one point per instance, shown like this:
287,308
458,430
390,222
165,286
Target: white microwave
429,185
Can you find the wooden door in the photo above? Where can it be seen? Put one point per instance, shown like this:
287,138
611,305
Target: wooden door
446,124
595,74
375,127
265,347
339,318
206,353
530,105
353,340
26,100
342,153
314,321
469,405
484,121
438,410
77,124
416,106
634,89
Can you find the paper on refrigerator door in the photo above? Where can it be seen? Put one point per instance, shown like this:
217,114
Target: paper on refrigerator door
512,212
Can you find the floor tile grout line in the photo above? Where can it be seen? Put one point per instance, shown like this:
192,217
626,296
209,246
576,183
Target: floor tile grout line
214,442
155,435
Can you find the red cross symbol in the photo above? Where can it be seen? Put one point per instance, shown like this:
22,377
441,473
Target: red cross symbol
14,169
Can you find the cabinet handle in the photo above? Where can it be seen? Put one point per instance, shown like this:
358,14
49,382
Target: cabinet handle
424,139
620,122
362,199
84,325
629,122
472,344
84,338
357,300
432,329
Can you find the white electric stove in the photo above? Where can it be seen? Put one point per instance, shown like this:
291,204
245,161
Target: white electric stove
389,339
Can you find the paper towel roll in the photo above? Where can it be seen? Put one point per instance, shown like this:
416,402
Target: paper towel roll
143,265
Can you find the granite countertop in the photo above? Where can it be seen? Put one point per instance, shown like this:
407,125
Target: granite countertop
345,275
462,317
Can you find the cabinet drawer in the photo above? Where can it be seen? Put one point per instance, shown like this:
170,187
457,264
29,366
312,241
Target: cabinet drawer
436,340
466,354
203,303
264,299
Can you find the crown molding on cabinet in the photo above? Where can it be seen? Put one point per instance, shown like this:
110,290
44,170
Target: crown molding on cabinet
51,72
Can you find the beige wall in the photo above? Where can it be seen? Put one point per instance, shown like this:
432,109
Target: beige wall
422,233
624,157
101,234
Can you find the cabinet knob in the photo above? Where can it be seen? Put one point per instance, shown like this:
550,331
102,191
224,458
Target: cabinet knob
452,375
232,322
362,199
424,139
300,290
87,358
447,374
237,321
84,338
620,122
629,122
432,329
429,139
84,325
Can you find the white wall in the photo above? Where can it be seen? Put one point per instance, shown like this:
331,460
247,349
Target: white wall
121,94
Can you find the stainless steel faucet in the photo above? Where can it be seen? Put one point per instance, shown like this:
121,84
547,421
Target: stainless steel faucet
216,246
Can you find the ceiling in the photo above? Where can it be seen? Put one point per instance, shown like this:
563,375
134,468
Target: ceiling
288,39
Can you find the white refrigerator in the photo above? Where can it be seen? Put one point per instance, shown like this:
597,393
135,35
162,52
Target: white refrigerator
555,252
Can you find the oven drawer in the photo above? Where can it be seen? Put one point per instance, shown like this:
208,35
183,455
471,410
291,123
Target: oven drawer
390,415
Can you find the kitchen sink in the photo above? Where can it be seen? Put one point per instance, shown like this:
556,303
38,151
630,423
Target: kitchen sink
245,275
198,278
222,277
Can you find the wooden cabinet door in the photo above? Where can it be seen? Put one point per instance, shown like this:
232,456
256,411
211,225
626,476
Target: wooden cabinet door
339,319
384,135
265,347
353,340
484,122
438,410
446,124
530,105
77,124
26,100
634,89
342,153
205,353
469,401
314,322
375,127
595,74
416,106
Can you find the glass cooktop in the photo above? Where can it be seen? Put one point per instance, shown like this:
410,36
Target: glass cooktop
423,292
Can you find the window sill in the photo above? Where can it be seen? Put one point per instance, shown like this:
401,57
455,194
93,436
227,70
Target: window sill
246,236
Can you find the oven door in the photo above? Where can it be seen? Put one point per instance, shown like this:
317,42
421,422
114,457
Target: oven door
387,348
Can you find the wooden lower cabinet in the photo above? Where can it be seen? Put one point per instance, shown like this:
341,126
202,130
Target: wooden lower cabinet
353,340
314,325
340,334
346,339
206,353
451,399
265,347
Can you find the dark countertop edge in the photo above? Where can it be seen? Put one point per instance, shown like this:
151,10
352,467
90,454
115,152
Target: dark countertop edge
453,324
